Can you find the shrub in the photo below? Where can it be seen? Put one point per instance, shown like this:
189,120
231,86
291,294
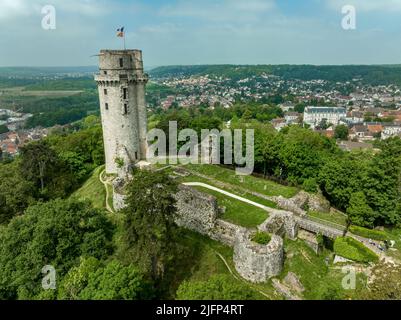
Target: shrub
217,287
369,233
261,238
354,250
310,185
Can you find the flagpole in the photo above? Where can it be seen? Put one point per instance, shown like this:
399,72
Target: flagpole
125,48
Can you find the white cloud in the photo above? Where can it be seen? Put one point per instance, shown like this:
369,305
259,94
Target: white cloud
11,8
367,5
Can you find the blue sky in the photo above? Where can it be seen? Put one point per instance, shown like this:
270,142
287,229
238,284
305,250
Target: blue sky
202,31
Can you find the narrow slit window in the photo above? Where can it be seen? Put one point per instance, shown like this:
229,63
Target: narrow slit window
136,155
121,63
107,106
105,92
125,93
125,108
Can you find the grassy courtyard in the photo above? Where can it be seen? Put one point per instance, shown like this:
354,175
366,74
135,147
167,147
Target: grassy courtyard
260,185
236,211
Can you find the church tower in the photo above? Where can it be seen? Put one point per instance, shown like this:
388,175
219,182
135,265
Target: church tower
121,83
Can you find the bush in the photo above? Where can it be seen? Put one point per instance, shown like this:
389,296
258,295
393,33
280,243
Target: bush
261,238
217,287
369,233
354,250
310,185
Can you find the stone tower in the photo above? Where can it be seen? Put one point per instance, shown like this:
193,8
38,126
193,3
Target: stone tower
121,84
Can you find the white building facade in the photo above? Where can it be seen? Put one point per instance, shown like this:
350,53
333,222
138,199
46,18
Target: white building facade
313,116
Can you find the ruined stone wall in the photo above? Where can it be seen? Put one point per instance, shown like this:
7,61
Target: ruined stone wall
118,195
197,211
255,262
303,202
281,223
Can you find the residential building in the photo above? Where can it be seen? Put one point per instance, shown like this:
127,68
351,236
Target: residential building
313,116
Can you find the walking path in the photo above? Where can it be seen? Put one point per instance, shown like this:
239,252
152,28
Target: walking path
106,183
304,222
229,194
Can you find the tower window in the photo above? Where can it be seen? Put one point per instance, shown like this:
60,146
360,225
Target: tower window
107,106
136,155
125,108
121,63
105,72
125,93
105,92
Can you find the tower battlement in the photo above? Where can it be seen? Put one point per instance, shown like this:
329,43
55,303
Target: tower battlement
121,82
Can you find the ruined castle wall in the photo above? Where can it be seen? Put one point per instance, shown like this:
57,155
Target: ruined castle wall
199,212
196,211
281,223
257,263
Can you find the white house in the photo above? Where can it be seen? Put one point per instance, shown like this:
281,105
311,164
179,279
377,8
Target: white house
313,116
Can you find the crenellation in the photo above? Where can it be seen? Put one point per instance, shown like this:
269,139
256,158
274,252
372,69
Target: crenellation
123,107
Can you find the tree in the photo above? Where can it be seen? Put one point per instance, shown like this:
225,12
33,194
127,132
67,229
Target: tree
150,221
77,279
247,115
55,233
116,282
15,192
343,175
359,212
341,132
218,287
301,153
383,185
92,280
51,175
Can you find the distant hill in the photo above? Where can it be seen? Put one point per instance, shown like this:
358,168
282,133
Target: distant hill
35,72
373,74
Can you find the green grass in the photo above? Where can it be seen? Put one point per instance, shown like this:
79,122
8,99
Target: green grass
262,238
234,190
321,281
263,186
201,260
336,217
369,233
92,190
238,212
354,250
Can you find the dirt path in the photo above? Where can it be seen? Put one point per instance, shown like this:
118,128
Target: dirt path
106,184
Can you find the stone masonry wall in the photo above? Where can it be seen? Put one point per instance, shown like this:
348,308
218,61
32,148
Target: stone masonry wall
197,211
255,262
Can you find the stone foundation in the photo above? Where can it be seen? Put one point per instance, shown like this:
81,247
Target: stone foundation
257,263
303,202
118,194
